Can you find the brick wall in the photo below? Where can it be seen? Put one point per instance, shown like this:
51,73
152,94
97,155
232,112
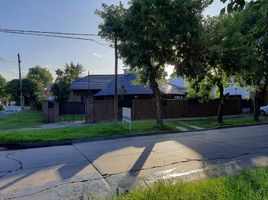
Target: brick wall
50,112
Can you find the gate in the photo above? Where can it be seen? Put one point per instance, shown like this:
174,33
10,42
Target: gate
72,111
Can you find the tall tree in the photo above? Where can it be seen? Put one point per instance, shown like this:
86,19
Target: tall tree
156,33
2,88
40,75
42,78
111,29
215,72
61,86
246,39
28,90
72,71
12,88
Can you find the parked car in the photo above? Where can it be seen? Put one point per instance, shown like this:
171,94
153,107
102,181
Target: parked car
12,109
264,110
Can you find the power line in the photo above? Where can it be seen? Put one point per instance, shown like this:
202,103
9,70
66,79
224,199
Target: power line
50,32
6,61
4,64
56,36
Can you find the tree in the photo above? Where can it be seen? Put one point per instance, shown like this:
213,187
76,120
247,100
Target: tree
12,88
42,78
28,90
215,72
112,25
154,33
246,39
111,29
61,90
61,87
40,75
2,86
3,94
202,87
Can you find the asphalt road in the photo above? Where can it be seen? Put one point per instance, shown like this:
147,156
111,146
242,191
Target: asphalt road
99,168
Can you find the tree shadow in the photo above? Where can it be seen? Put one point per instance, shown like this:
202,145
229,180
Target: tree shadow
126,157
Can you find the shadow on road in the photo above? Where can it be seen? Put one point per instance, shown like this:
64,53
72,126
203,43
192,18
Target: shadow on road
127,157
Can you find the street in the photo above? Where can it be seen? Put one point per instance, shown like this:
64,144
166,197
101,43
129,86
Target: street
99,168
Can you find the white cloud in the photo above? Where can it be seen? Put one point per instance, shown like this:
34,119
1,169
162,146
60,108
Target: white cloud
98,55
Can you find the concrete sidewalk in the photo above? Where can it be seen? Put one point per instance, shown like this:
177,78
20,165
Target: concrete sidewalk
99,168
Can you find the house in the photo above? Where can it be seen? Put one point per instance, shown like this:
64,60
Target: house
231,89
88,86
101,87
128,89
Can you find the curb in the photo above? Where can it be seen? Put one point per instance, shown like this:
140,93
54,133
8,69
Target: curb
27,145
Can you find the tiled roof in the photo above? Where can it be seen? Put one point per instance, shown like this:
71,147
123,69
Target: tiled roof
131,88
96,82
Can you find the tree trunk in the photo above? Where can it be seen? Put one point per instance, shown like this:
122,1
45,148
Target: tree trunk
156,91
221,104
256,107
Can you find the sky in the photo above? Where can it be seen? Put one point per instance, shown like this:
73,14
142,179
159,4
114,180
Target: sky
52,53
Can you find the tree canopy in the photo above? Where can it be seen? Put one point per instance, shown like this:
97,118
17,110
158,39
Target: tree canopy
40,75
2,88
245,44
113,17
29,89
215,72
152,34
61,87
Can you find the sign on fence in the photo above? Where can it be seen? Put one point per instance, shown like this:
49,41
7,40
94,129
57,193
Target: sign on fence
126,116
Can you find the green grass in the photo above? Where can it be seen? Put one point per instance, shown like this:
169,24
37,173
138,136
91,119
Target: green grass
74,133
24,119
111,129
248,185
212,123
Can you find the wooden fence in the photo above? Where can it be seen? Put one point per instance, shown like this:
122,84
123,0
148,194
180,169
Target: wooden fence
102,110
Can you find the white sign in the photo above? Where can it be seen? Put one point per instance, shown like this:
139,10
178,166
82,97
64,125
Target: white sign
126,116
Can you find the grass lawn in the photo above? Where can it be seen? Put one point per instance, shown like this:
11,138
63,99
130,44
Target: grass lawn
73,133
111,129
249,184
24,119
212,123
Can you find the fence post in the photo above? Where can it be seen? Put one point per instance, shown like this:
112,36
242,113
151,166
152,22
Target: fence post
50,112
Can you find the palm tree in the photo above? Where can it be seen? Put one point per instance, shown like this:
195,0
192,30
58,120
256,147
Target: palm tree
73,71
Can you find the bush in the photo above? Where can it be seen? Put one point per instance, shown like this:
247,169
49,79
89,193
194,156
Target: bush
2,107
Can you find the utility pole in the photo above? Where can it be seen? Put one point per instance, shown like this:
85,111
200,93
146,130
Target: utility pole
21,97
88,85
115,81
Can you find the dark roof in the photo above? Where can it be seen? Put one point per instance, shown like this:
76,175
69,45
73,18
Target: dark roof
96,82
131,88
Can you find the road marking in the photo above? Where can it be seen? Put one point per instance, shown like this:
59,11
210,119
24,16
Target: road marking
167,174
195,127
182,128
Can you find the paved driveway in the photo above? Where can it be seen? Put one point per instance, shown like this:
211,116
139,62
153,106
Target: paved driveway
99,168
